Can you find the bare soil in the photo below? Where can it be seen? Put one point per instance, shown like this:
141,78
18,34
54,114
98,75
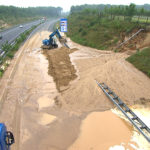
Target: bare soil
50,111
104,66
135,43
60,66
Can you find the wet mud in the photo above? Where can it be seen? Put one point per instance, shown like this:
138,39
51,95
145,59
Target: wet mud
60,66
53,102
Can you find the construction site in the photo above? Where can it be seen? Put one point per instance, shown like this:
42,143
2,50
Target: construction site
76,80
51,101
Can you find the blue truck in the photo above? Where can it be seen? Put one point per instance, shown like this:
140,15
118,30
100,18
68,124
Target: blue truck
6,138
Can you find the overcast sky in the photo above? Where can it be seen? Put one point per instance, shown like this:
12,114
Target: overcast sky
66,4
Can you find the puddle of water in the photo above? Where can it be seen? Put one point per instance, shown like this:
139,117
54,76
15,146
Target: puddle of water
100,130
46,119
144,113
45,102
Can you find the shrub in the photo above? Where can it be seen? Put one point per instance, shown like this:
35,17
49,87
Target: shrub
1,74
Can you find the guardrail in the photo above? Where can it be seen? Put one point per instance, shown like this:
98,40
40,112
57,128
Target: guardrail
2,54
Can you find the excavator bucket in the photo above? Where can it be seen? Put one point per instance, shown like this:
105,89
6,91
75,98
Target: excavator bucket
62,40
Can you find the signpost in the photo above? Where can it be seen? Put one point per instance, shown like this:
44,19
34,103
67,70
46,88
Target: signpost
63,25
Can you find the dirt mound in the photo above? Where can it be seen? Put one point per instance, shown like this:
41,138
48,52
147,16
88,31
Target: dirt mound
60,66
125,80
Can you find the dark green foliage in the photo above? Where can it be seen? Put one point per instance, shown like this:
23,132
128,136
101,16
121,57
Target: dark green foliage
1,72
10,54
97,32
15,15
6,47
141,60
132,9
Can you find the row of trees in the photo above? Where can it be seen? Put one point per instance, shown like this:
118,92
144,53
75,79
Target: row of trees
132,9
16,12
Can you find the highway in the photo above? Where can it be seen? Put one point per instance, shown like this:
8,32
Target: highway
11,34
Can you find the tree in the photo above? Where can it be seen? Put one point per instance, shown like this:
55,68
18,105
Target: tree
131,9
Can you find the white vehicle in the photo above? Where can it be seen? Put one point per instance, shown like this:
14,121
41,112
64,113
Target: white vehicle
21,26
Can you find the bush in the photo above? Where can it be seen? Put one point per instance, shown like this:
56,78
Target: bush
1,74
10,55
141,60
83,33
6,47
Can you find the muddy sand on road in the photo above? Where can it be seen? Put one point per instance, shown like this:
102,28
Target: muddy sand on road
111,68
60,66
65,109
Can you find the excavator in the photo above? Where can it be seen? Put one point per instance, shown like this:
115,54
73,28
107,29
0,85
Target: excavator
51,42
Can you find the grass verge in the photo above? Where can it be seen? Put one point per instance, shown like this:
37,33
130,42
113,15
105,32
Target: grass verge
141,60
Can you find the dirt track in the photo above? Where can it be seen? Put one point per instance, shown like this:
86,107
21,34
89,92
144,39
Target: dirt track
34,109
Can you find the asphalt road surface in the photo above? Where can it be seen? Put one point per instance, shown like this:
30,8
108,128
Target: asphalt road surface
11,34
47,26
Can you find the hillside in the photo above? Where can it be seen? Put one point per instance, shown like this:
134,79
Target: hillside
105,26
102,33
141,60
10,15
105,31
101,7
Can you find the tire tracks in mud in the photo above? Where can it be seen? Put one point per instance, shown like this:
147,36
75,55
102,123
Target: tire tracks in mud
17,114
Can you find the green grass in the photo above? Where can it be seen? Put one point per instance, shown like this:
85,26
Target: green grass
100,33
1,73
142,19
141,60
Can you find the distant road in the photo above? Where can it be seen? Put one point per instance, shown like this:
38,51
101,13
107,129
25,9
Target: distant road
11,34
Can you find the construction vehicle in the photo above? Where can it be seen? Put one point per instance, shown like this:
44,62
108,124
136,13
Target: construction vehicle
6,138
51,42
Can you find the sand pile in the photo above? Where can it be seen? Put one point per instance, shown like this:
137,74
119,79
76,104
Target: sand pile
126,81
60,67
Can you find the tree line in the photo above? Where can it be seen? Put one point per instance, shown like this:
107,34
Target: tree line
16,12
132,9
